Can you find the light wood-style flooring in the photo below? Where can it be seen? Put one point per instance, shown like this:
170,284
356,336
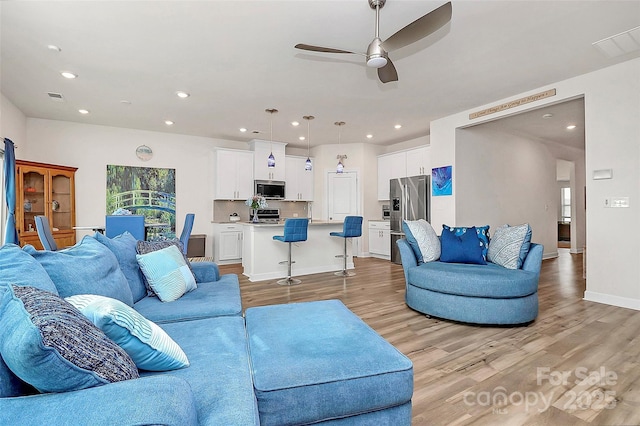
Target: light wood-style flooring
577,364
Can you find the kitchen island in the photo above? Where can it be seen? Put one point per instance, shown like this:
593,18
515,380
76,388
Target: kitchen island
261,254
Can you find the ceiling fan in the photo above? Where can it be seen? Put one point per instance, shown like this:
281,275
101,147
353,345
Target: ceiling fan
378,51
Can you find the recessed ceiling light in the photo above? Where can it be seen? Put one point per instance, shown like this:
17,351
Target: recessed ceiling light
369,136
125,102
397,126
182,94
53,47
295,123
168,122
83,111
302,138
547,115
242,129
67,74
571,127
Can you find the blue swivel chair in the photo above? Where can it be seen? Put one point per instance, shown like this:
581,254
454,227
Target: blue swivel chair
186,231
295,230
44,233
117,224
352,227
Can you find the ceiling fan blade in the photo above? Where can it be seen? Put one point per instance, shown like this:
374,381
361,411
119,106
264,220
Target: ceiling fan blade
388,72
322,49
419,28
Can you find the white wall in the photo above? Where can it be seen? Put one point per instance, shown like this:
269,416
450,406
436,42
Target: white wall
502,179
612,132
13,124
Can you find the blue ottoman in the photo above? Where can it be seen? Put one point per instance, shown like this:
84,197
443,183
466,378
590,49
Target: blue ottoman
317,361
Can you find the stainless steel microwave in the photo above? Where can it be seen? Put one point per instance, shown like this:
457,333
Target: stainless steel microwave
270,189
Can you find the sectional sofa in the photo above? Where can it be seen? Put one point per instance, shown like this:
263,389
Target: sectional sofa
219,383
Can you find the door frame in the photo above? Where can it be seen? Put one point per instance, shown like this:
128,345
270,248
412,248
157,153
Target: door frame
356,243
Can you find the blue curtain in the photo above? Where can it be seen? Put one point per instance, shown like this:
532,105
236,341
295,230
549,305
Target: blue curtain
10,232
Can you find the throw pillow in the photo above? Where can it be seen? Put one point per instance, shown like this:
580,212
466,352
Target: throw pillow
149,346
483,235
167,273
420,234
86,268
144,247
123,247
49,344
510,246
18,267
464,248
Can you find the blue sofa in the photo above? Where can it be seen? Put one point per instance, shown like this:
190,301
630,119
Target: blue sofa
470,293
207,323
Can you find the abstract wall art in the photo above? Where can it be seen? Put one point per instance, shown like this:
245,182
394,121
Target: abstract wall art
441,181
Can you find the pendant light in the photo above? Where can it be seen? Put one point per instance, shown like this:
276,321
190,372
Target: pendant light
340,157
307,164
271,161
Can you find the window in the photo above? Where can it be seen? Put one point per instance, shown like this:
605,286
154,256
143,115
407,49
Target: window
565,204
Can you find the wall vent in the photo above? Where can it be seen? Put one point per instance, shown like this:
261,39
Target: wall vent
57,97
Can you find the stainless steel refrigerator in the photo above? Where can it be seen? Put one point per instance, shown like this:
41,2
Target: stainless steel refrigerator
409,199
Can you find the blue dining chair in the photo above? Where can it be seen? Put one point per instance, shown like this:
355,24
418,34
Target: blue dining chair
186,231
295,230
117,224
351,228
45,234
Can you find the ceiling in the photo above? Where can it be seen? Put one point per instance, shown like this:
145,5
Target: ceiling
236,58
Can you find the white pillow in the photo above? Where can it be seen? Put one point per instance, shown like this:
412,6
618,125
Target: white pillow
427,239
149,346
167,273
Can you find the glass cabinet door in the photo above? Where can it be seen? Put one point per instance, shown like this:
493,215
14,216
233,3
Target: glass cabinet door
34,187
61,201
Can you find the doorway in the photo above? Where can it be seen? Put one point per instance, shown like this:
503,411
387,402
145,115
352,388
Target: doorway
342,199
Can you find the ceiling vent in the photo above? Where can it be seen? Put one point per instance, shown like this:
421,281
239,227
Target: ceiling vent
620,44
57,97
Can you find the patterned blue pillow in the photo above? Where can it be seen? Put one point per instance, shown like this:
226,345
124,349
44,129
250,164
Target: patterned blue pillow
148,345
465,248
422,239
510,246
49,344
167,273
483,235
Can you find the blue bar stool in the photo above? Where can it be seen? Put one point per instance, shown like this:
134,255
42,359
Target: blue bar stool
294,230
352,227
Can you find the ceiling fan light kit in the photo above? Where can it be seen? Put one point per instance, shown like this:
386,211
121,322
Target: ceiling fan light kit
378,51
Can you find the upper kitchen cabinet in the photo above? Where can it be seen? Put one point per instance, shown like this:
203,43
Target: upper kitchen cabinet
45,190
233,174
414,162
262,150
299,182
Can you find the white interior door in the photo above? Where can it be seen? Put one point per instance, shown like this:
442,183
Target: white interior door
342,195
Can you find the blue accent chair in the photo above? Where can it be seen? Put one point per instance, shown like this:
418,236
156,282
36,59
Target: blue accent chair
186,231
117,224
352,228
45,234
295,230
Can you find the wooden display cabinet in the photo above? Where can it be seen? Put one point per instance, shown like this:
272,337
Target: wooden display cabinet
49,190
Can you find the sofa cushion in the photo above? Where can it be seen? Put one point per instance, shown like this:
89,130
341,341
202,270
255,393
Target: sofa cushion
123,247
18,267
510,245
99,274
146,343
465,248
212,299
144,247
483,235
49,344
167,273
423,240
492,281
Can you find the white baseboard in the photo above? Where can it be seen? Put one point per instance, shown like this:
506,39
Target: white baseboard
550,255
608,299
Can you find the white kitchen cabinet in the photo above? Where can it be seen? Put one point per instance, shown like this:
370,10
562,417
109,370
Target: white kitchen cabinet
299,182
228,239
233,174
380,239
261,150
418,162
